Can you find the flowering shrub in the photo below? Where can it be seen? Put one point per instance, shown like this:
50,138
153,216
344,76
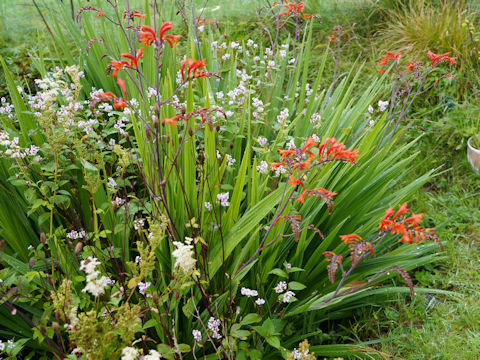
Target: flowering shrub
184,211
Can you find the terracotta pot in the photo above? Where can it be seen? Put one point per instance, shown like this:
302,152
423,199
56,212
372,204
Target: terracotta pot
473,155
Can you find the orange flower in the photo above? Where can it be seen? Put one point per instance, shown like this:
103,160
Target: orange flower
119,104
133,59
350,237
295,182
100,13
148,36
117,66
173,120
276,165
333,150
292,7
133,14
194,68
287,153
435,59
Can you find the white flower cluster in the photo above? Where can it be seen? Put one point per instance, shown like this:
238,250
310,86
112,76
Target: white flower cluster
263,167
248,292
208,206
143,286
258,105
138,224
129,353
73,319
262,141
252,293
283,116
95,284
183,255
197,335
76,234
222,198
118,202
152,355
9,345
382,105
287,296
112,184
6,108
214,325
298,355
281,287
230,160
315,118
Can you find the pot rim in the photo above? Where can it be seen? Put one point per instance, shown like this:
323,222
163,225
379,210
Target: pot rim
470,146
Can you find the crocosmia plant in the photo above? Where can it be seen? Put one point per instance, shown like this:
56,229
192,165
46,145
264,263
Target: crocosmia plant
189,197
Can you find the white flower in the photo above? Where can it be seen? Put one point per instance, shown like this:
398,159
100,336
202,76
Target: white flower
138,224
316,138
118,202
287,296
208,206
222,198
260,301
262,141
288,266
95,285
183,255
226,56
370,109
152,355
315,118
248,292
263,167
197,335
2,345
230,160
219,156
214,325
143,286
129,353
282,116
250,42
281,287
371,123
219,95
271,63
201,28
291,144
112,184
30,248
73,318
382,105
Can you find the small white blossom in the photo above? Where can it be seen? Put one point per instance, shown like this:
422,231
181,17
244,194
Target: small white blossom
370,109
287,296
112,184
248,292
281,287
262,141
118,202
143,286
260,301
214,325
263,167
222,198
152,355
183,255
129,353
382,105
197,335
208,206
230,160
138,224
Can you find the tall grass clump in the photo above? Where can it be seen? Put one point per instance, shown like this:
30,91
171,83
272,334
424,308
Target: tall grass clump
181,195
417,26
